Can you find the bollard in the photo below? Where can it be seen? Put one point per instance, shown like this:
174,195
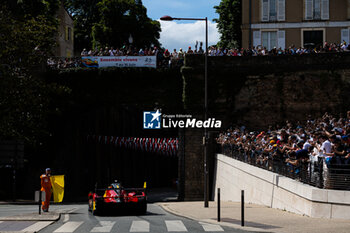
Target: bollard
242,208
218,204
40,202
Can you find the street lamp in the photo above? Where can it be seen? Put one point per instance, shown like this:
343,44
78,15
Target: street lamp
131,39
206,172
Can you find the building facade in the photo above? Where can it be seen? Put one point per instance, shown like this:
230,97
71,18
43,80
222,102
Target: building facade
65,37
299,23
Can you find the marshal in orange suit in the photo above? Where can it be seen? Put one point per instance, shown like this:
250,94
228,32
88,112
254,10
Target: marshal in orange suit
46,186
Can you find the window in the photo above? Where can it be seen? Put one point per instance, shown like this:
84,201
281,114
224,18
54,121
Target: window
69,33
272,10
316,9
345,35
313,38
269,40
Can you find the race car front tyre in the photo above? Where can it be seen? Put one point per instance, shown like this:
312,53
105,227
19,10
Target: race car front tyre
142,208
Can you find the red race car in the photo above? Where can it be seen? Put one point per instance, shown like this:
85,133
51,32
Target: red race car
115,197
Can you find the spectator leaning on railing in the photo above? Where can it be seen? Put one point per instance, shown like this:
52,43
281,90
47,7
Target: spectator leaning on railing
217,51
176,58
301,146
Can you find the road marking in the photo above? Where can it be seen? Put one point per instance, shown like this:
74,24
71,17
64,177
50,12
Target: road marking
139,226
74,209
211,227
69,227
66,218
67,210
106,226
37,226
175,225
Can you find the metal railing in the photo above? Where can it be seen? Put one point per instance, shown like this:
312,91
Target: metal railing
64,62
317,173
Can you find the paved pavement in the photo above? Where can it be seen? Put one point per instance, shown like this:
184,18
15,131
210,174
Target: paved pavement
79,220
257,218
173,216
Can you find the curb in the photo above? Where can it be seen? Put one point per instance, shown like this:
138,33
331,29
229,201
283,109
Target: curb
36,203
33,217
19,203
210,221
18,232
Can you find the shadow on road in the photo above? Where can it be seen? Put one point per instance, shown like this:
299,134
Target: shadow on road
162,195
126,213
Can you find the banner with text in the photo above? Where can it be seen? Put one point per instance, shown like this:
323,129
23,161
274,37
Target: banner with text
122,61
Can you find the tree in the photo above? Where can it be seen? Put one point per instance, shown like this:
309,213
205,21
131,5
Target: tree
85,15
229,23
111,22
26,41
28,30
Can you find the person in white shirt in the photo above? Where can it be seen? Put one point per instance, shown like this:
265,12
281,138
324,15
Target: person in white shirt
306,145
326,147
84,52
111,53
174,54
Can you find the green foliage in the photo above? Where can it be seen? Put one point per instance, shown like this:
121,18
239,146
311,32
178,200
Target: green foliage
25,105
21,8
85,15
27,38
229,23
111,22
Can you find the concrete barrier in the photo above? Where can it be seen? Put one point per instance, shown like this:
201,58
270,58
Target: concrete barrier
276,191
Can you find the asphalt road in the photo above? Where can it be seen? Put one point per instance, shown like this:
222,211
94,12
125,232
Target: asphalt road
76,218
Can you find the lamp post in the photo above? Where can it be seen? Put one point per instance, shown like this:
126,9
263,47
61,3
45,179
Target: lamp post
131,39
205,137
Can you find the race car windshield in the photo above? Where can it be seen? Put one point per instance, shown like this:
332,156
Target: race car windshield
116,185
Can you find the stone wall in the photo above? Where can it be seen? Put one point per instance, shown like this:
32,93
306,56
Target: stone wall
191,170
259,91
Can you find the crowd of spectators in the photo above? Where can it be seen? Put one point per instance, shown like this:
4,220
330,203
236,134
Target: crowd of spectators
175,58
63,63
164,57
291,50
124,51
325,139
216,51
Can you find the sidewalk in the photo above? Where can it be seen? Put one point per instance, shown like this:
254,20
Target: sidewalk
257,218
31,213
49,216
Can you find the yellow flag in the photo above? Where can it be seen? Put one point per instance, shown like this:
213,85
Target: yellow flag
57,187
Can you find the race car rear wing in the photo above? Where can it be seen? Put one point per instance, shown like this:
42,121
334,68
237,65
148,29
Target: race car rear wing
128,190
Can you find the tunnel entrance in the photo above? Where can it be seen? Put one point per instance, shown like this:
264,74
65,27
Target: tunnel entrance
133,161
116,147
